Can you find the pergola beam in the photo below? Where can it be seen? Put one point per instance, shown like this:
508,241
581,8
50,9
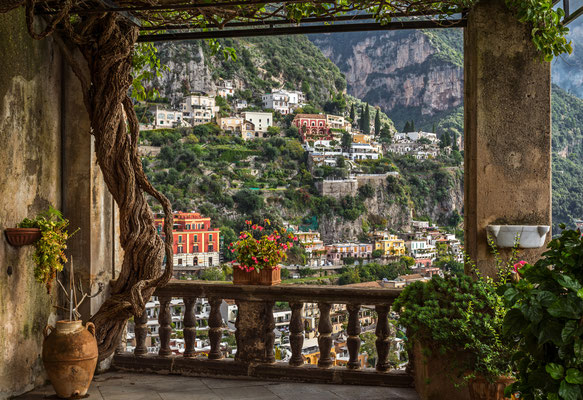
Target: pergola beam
310,29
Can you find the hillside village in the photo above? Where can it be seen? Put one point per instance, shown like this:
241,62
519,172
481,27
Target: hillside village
333,141
335,149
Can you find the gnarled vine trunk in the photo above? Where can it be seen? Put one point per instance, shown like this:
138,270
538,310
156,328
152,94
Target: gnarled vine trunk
107,41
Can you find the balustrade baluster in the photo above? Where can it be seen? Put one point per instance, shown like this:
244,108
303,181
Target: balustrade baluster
141,333
215,331
353,330
383,341
325,335
269,334
165,330
189,326
296,337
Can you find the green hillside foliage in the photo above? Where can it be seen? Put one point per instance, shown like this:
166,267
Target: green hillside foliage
567,114
291,62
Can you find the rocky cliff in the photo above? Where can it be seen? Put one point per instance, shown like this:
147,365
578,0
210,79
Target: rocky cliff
409,74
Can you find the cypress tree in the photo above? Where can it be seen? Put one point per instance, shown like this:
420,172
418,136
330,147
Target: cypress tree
361,121
407,127
412,126
352,114
377,123
366,121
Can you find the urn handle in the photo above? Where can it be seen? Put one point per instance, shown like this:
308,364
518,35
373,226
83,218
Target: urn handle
47,331
91,328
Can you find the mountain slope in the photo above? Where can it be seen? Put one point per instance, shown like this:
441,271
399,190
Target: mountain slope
411,75
262,64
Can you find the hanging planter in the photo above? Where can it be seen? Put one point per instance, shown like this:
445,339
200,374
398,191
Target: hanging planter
22,236
526,236
258,255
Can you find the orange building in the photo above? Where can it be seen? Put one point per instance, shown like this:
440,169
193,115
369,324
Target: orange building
195,242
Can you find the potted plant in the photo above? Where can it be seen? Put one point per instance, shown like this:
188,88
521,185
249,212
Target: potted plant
49,255
258,253
454,335
545,318
69,348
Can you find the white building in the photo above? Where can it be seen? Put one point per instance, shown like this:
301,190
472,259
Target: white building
277,101
199,108
165,118
226,89
364,151
415,136
261,120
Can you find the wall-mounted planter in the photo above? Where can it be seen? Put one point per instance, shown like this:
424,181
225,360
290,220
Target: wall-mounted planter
22,236
528,236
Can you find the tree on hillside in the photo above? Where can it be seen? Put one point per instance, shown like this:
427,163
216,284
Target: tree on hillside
361,116
445,140
273,131
412,126
407,127
352,114
377,123
248,201
385,134
366,120
455,145
346,140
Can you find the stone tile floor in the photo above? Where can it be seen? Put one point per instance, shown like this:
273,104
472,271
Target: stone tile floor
131,386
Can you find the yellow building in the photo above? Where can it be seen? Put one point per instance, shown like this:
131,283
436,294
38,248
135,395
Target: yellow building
361,138
391,245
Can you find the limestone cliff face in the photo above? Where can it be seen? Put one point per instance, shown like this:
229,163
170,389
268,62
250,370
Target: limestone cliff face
407,73
187,71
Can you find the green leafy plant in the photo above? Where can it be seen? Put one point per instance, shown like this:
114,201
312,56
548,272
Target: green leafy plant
49,255
461,314
548,32
256,250
546,319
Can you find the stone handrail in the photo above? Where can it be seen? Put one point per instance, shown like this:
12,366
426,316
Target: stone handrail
255,337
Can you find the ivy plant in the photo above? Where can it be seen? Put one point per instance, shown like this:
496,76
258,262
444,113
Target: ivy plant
546,320
49,255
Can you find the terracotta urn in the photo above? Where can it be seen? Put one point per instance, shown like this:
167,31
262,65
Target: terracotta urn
22,236
265,277
70,357
482,389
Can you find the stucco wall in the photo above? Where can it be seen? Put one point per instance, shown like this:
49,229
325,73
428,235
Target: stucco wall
30,131
47,157
507,130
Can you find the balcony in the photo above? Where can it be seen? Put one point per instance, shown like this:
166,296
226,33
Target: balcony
255,355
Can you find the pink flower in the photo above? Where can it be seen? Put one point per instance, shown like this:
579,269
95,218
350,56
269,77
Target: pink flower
265,259
232,250
251,269
519,265
260,228
295,239
256,262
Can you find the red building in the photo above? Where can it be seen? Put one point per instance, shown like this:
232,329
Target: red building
312,127
195,243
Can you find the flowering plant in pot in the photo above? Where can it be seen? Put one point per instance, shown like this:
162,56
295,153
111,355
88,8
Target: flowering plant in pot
258,253
458,320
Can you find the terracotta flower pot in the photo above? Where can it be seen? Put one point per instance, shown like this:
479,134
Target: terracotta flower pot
70,357
265,277
22,236
482,389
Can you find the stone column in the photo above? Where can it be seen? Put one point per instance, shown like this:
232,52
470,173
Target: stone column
507,100
255,337
86,201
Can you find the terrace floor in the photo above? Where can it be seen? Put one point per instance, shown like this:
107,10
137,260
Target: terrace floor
131,386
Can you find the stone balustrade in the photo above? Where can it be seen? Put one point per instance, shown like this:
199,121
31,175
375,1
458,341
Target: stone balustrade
255,334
